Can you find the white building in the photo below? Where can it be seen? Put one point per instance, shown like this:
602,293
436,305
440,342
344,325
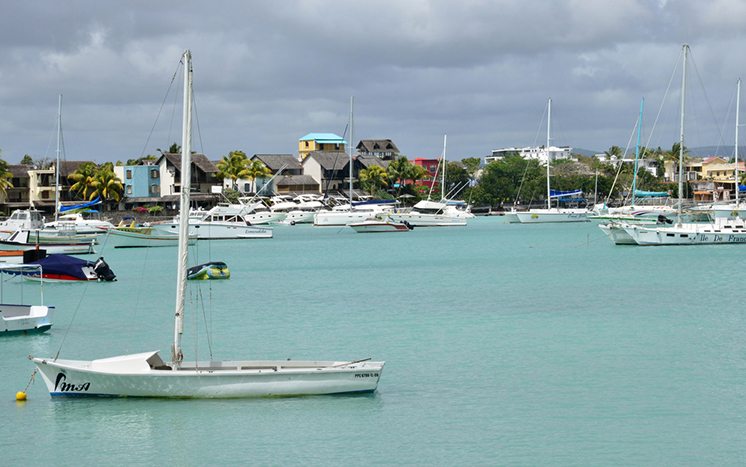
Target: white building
539,153
645,164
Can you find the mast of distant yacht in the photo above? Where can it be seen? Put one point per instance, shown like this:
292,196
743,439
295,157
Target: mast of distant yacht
637,151
57,166
549,127
443,184
738,106
352,104
685,50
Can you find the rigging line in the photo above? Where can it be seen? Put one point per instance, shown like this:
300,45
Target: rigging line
204,316
72,320
196,120
727,116
163,103
663,101
621,163
707,99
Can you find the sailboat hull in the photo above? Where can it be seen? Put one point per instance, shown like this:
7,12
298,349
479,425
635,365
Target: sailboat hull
541,216
687,234
281,378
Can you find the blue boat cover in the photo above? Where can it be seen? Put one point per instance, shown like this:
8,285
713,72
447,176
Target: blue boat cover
561,194
651,194
63,264
741,188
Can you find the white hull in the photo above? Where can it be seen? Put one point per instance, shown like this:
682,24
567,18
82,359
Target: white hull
264,217
428,220
689,234
134,376
378,227
25,318
216,230
339,218
617,234
124,239
53,248
299,217
540,216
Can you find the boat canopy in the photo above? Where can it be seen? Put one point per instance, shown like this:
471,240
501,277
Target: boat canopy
741,188
562,194
80,206
64,265
651,194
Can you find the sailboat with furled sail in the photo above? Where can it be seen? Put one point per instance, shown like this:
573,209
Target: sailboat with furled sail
550,214
148,375
722,230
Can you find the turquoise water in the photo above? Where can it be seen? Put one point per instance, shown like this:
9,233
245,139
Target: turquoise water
504,345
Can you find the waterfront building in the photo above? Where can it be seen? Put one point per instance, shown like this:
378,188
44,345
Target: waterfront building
539,153
139,181
17,197
290,180
330,170
320,142
384,149
203,174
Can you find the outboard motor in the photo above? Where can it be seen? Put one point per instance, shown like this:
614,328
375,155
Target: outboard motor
409,226
103,271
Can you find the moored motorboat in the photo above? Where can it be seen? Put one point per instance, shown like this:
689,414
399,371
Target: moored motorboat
65,268
377,225
142,238
26,319
26,240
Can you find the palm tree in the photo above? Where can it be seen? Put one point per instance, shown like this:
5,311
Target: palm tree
83,180
396,170
106,185
374,178
254,170
233,166
6,179
614,151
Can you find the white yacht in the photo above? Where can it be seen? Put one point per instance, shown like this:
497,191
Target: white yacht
348,214
21,219
80,224
222,222
432,214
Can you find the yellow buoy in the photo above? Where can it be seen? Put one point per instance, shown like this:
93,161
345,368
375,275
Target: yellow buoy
20,396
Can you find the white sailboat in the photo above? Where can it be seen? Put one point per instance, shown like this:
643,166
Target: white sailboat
720,231
147,375
550,214
631,214
429,213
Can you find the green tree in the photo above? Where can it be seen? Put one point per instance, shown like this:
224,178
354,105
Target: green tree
173,149
106,185
373,179
256,169
83,180
27,160
233,166
457,178
6,178
472,165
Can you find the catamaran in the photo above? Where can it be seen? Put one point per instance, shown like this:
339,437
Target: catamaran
146,374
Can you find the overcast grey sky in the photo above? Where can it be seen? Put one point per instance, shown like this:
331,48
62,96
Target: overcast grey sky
267,73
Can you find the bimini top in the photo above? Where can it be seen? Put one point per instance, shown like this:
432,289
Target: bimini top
324,138
562,194
651,194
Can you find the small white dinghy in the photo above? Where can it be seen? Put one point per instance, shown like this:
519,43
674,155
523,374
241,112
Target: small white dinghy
147,375
23,319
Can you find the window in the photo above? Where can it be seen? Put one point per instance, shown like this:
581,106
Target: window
155,189
129,174
306,143
154,173
129,189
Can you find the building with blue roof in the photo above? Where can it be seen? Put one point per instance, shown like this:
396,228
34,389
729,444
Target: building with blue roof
320,142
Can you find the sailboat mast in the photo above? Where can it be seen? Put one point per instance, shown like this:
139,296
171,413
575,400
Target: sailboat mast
685,49
637,151
443,175
549,127
186,177
57,166
352,104
738,107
